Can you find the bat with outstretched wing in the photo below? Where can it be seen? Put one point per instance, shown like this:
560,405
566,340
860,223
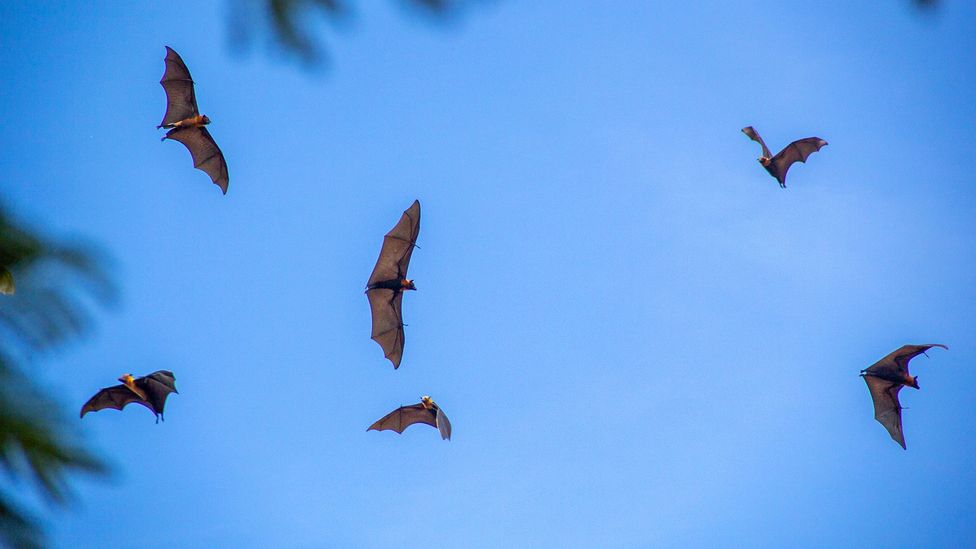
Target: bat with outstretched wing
885,378
186,124
426,411
797,151
150,391
388,282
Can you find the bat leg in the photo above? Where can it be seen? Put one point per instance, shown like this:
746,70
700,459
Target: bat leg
157,419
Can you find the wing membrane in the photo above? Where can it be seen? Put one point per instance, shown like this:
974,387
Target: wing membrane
887,408
754,135
205,152
116,398
405,416
386,308
398,247
181,102
797,151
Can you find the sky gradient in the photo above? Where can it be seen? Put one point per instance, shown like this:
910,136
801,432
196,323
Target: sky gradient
640,339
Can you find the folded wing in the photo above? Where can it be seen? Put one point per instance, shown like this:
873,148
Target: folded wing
443,424
157,386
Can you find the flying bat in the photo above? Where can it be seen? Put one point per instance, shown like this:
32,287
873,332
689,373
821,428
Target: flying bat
150,391
885,378
186,124
388,282
778,165
426,411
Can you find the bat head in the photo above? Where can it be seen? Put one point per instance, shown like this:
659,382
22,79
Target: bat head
911,381
204,119
427,402
407,284
127,379
764,160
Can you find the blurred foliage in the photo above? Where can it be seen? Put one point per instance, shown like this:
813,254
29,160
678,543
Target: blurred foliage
56,286
290,22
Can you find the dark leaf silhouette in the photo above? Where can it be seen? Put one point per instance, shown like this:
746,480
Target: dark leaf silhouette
290,23
56,286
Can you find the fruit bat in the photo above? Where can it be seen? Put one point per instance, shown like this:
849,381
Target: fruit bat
885,378
778,165
186,124
150,391
426,411
388,282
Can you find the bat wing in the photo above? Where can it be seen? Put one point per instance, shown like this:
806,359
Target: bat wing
443,424
897,361
205,152
385,306
398,246
887,409
754,135
157,386
7,286
116,397
181,103
404,417
797,151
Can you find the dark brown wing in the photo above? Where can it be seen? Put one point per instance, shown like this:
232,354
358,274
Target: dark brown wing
157,386
206,155
897,361
398,246
754,135
116,397
887,409
181,103
404,417
385,306
443,424
797,151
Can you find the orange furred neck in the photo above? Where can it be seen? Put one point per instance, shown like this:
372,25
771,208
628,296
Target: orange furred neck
130,382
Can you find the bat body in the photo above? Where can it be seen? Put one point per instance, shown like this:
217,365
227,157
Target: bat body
885,378
778,165
186,124
426,411
150,391
386,284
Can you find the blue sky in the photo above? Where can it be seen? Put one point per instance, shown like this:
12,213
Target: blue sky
639,338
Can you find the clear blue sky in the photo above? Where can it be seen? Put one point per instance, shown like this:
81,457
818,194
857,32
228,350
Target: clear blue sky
639,338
